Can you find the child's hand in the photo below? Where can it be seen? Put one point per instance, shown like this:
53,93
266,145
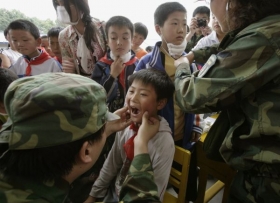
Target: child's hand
206,30
181,60
68,65
195,136
147,131
117,67
119,124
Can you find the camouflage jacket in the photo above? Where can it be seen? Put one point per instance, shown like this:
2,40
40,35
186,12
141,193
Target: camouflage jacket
138,186
242,76
191,44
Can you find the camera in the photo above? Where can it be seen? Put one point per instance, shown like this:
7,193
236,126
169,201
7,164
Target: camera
201,23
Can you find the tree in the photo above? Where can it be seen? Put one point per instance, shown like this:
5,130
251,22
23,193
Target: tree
8,16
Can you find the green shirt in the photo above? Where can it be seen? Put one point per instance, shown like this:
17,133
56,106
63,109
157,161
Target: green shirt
242,77
138,186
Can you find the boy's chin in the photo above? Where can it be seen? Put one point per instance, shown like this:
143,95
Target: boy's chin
136,120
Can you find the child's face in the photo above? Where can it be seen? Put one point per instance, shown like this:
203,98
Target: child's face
141,98
137,40
119,40
174,29
24,42
54,45
46,45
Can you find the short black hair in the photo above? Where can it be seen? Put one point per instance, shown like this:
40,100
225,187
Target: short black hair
47,163
202,10
25,25
44,37
163,85
6,32
54,31
6,78
141,29
164,10
149,48
119,21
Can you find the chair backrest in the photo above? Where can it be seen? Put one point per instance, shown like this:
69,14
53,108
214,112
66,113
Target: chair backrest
178,178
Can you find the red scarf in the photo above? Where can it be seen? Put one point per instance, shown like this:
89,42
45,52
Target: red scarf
129,144
36,61
122,74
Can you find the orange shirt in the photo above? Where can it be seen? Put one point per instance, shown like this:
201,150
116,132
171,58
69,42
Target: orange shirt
140,53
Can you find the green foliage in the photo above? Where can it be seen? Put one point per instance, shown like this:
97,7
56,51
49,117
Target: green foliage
8,16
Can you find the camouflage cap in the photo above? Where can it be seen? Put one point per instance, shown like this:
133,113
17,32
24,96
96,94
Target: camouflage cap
52,109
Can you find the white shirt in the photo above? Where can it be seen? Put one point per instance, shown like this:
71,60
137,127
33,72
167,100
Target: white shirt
207,41
12,55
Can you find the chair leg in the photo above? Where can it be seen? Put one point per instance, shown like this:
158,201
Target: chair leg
201,186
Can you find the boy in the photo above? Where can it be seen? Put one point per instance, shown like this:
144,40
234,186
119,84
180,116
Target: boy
10,55
26,38
149,91
113,70
198,27
53,34
6,78
46,45
171,24
56,132
140,34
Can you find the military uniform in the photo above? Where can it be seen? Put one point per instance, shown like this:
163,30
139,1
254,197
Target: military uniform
55,109
138,186
193,41
242,77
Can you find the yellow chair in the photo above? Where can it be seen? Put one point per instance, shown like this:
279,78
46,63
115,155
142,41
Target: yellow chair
179,179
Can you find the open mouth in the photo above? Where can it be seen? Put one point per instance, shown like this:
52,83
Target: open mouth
134,111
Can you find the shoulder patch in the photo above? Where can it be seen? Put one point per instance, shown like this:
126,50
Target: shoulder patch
207,66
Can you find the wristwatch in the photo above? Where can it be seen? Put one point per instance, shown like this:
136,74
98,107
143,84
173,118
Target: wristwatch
1,50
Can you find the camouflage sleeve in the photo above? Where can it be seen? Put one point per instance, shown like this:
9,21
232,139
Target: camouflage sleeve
139,184
202,55
244,66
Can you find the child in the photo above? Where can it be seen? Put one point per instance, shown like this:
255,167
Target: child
56,134
170,21
53,34
26,38
113,70
46,45
10,55
140,34
6,78
148,92
198,27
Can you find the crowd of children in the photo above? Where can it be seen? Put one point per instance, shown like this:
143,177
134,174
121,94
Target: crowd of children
64,82
80,48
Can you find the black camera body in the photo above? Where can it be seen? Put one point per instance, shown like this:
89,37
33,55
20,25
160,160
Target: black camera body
201,23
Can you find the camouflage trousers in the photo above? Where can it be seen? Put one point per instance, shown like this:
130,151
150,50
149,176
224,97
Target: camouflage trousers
259,185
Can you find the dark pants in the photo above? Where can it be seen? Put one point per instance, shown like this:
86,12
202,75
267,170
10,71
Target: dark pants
259,185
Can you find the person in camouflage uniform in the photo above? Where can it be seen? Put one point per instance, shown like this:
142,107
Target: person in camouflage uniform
242,77
58,124
6,78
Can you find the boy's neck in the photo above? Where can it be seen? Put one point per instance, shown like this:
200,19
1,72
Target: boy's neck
135,49
34,54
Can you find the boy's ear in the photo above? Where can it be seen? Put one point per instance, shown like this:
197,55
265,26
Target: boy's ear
39,40
158,30
84,153
161,103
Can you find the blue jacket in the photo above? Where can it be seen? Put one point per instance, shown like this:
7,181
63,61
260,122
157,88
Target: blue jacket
155,59
116,88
